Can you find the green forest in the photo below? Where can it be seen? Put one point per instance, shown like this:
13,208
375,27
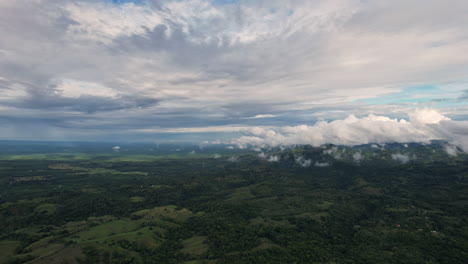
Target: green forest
330,204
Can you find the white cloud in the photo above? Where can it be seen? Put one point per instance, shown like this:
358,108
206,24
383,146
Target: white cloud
212,67
273,158
303,162
426,117
12,92
321,164
203,22
260,116
357,157
451,150
105,22
75,89
331,150
423,125
194,129
334,152
403,158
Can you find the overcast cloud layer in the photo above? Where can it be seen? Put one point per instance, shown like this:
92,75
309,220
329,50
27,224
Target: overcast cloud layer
146,70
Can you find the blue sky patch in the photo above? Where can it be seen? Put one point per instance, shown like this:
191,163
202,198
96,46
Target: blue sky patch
224,2
416,94
121,2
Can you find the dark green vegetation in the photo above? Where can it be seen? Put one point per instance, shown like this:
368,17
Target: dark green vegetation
168,207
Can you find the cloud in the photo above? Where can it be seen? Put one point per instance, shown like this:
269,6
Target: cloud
76,89
357,157
303,162
273,158
423,125
98,67
464,96
451,150
194,130
334,152
403,158
321,164
98,22
260,116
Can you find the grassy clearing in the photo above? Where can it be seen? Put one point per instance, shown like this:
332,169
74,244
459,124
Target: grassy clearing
146,236
147,229
91,190
270,222
265,243
97,171
64,166
195,246
323,205
7,249
48,249
317,216
241,194
20,203
137,199
66,255
30,178
108,229
108,157
165,212
47,208
91,171
55,156
204,261
78,226
146,158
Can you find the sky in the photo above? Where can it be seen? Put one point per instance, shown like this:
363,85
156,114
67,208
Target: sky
245,72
